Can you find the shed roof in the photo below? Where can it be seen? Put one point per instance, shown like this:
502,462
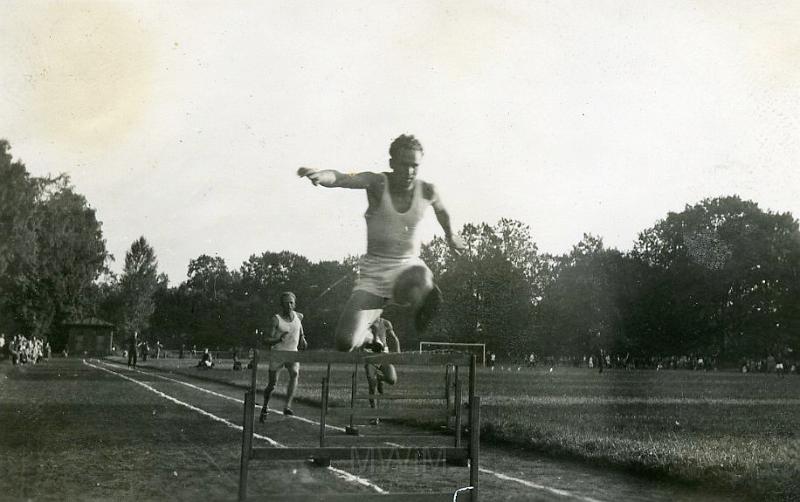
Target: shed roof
89,321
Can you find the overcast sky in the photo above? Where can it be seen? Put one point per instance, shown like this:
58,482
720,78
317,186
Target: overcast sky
186,121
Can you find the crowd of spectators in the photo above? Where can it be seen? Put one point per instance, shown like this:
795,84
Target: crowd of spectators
23,350
602,360
145,350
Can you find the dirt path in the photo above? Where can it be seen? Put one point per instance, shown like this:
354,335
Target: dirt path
506,474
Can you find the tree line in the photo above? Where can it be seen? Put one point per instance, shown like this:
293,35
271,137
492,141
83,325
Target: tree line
720,278
52,251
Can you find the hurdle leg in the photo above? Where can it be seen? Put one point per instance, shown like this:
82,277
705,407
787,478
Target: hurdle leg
448,392
322,412
254,377
459,426
323,406
323,462
247,442
474,445
457,406
352,429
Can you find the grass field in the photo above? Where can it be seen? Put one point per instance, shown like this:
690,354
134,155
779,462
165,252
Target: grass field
725,429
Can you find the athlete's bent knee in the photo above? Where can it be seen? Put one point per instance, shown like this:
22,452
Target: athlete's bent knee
412,285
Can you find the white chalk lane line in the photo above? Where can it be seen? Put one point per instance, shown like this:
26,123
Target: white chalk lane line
499,475
537,486
342,474
223,396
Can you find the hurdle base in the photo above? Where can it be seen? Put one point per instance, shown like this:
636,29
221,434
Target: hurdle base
351,431
321,462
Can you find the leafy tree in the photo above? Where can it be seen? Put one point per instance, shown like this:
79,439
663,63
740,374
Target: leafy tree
585,308
106,299
138,285
71,254
17,231
730,273
51,250
264,277
18,198
173,319
490,289
215,307
273,272
218,307
210,278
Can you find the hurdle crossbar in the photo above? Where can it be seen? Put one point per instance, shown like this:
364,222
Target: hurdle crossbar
361,358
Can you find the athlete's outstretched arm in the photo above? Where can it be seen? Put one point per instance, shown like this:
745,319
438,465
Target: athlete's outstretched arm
443,217
334,179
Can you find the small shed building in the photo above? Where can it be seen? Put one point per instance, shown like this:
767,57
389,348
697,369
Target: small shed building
90,336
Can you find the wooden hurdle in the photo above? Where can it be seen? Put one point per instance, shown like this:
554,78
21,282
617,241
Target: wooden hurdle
457,451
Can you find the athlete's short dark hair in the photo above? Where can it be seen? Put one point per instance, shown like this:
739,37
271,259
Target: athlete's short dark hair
405,141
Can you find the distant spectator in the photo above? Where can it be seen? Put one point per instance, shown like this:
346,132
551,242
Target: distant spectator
237,364
22,349
13,349
206,361
133,347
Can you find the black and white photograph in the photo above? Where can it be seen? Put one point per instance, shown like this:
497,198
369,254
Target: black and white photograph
400,251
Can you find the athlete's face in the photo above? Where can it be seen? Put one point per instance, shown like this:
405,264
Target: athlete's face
405,164
287,304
